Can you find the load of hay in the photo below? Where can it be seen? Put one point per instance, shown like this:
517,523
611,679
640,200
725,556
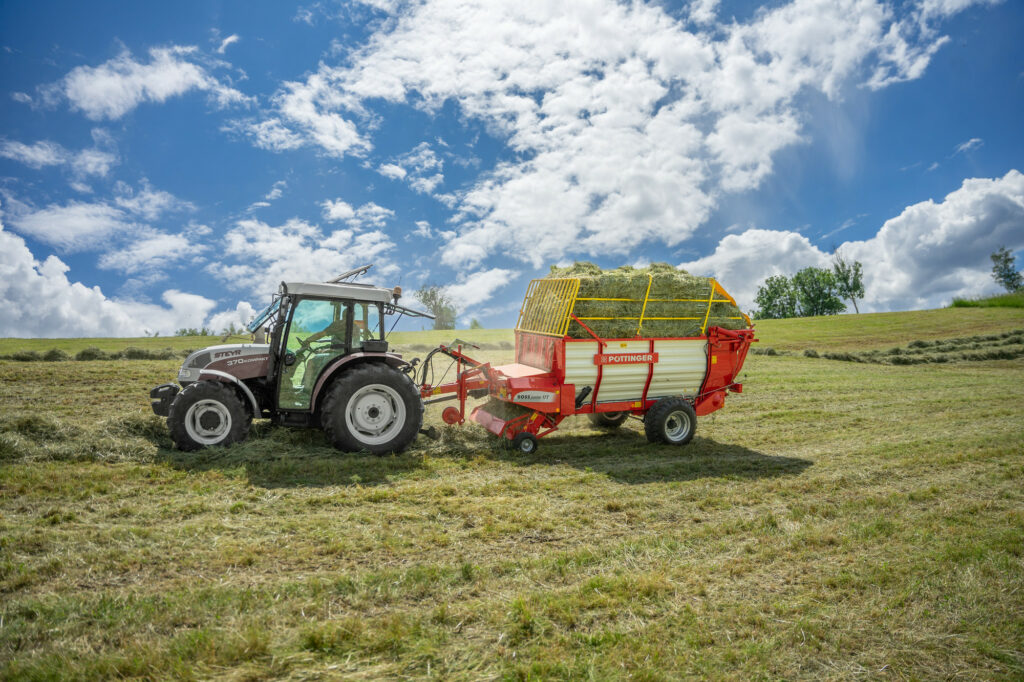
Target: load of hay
673,294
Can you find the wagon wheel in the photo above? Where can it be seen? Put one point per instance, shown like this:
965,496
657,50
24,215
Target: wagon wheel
671,421
525,443
609,420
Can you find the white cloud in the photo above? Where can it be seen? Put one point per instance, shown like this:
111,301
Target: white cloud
312,107
269,134
92,162
147,202
277,190
423,229
117,86
625,125
742,262
477,288
932,251
227,42
392,170
421,167
45,153
933,9
264,255
36,155
367,215
972,143
74,226
149,252
703,11
38,300
922,258
242,314
371,215
338,210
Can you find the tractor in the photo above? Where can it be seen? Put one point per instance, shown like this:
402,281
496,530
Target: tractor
326,365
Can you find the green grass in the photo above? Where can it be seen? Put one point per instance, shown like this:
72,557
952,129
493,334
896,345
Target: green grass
884,330
835,520
1010,300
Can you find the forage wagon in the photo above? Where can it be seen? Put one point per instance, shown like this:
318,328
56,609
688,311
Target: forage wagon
657,344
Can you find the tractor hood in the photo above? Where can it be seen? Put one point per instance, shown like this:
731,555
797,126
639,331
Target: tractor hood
241,360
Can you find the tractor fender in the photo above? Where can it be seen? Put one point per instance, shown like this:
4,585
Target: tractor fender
348,361
224,376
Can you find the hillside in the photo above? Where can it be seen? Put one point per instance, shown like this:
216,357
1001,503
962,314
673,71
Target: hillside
836,519
837,332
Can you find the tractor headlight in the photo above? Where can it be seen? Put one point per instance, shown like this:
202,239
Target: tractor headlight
185,374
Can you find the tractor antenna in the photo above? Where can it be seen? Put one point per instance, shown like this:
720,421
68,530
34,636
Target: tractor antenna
351,274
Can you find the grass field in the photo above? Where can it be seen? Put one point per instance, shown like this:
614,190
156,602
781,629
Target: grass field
835,520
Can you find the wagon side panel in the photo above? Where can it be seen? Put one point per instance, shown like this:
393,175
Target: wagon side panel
681,368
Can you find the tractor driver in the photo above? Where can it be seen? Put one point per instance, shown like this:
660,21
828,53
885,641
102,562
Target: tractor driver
336,330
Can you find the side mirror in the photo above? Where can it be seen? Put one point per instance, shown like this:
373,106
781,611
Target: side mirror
289,359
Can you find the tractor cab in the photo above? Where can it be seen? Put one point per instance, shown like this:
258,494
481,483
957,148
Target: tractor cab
319,325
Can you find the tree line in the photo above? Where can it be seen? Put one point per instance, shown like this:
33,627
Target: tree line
822,291
811,291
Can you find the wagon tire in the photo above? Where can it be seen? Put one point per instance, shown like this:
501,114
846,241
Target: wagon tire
608,420
372,408
207,414
525,443
672,421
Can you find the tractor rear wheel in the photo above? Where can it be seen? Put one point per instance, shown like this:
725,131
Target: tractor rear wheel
205,414
671,421
609,420
372,408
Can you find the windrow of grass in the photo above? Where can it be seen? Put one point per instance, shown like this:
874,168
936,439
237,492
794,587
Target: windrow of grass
1005,346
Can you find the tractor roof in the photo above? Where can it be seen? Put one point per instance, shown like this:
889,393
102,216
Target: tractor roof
360,292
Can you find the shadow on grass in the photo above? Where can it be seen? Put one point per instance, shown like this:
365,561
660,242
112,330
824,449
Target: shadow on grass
283,457
627,457
278,457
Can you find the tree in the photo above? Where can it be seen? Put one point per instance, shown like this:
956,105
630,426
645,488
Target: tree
849,279
475,324
817,292
440,306
812,291
1004,270
776,299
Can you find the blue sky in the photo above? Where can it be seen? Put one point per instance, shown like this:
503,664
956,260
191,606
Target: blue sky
167,165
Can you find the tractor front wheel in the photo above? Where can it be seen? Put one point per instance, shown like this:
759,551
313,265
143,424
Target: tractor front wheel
372,408
671,421
205,414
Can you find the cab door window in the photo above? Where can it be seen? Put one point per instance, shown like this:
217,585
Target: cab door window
318,333
366,323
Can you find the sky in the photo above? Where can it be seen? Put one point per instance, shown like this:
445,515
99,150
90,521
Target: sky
167,165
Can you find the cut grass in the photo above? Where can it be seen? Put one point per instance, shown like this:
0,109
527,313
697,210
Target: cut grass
883,330
834,520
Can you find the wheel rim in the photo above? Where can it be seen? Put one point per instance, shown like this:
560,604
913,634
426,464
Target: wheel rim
208,422
677,425
375,414
526,445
